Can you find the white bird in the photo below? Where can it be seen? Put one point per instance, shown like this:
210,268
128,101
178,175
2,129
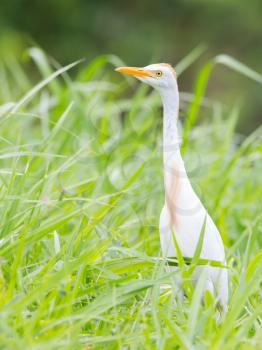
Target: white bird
183,214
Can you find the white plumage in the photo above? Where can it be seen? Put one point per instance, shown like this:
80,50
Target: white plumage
183,213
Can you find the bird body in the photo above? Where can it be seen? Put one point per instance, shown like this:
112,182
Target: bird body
183,214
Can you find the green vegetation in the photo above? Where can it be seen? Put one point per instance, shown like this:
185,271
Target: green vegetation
81,193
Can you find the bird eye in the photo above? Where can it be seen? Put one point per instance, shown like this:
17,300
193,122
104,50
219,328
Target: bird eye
159,73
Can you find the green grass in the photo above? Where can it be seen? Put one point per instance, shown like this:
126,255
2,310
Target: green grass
81,193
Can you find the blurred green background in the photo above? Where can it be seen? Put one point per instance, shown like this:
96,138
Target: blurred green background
142,32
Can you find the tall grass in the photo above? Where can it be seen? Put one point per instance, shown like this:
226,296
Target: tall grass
81,192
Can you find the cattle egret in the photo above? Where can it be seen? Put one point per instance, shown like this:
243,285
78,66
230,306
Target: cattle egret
183,215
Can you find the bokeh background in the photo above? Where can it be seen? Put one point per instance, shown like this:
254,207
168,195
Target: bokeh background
142,32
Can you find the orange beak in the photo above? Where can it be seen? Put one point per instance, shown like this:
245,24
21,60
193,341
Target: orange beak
139,72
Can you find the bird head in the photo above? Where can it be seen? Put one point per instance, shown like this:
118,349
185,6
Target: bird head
160,76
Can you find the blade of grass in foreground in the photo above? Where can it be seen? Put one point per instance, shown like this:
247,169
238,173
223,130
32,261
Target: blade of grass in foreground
27,97
188,60
49,282
128,264
187,284
239,298
104,302
44,67
49,226
201,85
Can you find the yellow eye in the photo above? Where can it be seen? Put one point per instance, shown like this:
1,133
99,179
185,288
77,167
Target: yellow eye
159,73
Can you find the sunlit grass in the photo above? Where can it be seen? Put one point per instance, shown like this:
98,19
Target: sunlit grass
81,192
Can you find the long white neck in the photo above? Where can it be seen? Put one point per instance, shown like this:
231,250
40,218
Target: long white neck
171,139
179,195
